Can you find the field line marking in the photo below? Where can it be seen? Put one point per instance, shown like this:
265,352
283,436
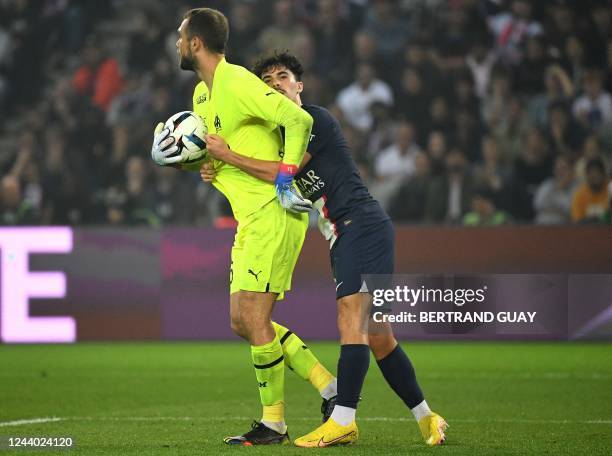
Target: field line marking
366,418
30,421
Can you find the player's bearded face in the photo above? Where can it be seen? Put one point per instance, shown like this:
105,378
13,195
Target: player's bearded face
187,62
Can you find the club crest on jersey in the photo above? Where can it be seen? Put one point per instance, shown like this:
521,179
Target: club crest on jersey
201,99
217,124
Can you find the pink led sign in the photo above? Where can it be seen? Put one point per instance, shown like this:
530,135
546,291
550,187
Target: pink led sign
18,284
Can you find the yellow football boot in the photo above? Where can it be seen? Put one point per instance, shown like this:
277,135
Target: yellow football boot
432,428
329,433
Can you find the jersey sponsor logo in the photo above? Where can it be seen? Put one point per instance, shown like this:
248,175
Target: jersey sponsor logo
255,275
201,99
309,183
217,124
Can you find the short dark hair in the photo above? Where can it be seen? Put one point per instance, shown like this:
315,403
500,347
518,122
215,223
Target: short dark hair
596,163
277,59
210,26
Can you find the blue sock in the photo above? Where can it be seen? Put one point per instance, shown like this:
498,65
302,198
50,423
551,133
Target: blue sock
352,369
399,373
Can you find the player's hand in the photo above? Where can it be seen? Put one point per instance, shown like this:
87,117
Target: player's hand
287,194
207,171
164,149
217,147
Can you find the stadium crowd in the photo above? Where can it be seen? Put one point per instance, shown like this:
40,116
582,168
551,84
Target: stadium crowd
473,112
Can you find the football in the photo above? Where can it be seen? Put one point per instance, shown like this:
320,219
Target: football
188,130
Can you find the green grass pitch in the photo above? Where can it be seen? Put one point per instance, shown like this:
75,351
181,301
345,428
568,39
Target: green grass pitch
182,398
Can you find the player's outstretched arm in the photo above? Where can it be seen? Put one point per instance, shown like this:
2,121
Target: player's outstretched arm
218,149
266,170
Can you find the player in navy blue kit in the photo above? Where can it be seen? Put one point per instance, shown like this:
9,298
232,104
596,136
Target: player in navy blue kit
361,242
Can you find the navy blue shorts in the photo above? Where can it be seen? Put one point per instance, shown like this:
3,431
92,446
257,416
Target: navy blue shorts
361,250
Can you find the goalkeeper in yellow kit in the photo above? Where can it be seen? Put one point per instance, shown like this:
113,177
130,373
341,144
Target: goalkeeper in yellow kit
272,219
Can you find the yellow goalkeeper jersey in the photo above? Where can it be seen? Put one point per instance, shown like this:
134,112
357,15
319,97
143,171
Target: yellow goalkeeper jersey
247,114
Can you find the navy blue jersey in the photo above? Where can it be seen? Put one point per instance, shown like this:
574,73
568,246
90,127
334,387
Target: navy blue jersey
331,180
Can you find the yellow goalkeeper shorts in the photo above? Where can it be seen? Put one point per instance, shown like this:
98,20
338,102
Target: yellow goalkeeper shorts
266,248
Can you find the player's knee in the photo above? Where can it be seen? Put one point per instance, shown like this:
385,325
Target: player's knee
237,327
381,344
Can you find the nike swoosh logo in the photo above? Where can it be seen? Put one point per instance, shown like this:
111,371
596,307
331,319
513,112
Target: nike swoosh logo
338,286
269,93
323,443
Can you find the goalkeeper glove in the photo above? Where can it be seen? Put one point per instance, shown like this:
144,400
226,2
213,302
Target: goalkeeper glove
287,194
164,151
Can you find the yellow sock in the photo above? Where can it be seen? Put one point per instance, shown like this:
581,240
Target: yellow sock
274,413
301,360
270,373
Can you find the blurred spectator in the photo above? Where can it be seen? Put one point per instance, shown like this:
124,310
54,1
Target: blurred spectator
365,51
574,59
412,100
590,200
439,117
417,56
553,198
244,31
133,201
408,204
494,108
529,76
333,36
398,159
387,27
356,99
511,29
481,60
449,197
591,149
98,78
492,173
285,32
598,32
531,168
146,41
464,95
594,107
468,133
451,40
560,24
511,132
382,133
484,211
173,196
558,89
14,210
565,136
436,152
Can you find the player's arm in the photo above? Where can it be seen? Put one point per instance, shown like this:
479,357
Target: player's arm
256,99
266,170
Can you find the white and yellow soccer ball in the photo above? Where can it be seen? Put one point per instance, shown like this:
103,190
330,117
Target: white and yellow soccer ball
188,130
